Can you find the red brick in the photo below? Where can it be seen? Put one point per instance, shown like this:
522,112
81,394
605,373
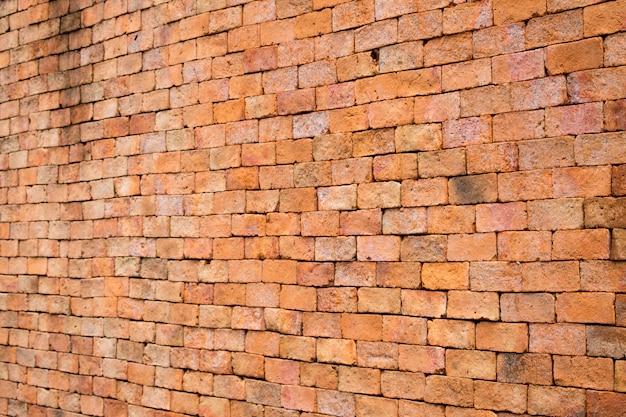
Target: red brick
538,93
528,308
454,275
574,244
437,108
502,337
340,351
603,341
495,276
422,25
555,400
527,368
518,66
586,308
509,11
605,403
595,373
563,339
603,18
359,380
449,390
445,163
447,49
507,39
424,192
451,333
352,14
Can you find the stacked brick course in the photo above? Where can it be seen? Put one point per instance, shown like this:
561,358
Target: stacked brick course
284,208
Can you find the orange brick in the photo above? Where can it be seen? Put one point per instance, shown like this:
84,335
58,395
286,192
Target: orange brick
313,24
390,113
471,364
528,308
424,303
563,339
468,304
499,396
359,380
555,400
449,390
400,329
527,368
603,18
424,192
509,11
423,25
340,351
606,402
552,29
595,373
447,49
586,308
451,219
361,326
451,333
352,14
502,337
445,275
574,244
445,163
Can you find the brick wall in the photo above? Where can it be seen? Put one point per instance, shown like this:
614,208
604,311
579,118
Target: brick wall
285,208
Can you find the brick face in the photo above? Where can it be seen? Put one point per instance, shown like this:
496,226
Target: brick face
290,208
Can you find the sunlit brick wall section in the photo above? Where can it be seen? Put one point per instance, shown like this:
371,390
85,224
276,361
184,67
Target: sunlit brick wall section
308,208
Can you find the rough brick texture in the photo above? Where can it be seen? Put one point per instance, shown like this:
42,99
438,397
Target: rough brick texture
307,208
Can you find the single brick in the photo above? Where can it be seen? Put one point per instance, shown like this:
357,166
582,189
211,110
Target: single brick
495,276
586,307
473,74
448,49
555,400
603,18
500,396
604,341
518,66
472,247
473,305
560,338
437,108
512,11
359,380
452,333
555,214
424,303
449,390
530,308
424,192
425,359
498,40
502,337
525,368
574,56
582,181
582,85
594,373
576,244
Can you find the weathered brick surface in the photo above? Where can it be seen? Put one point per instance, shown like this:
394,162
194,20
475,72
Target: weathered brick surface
303,208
